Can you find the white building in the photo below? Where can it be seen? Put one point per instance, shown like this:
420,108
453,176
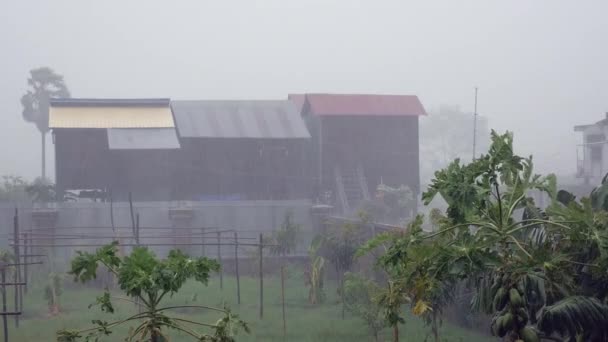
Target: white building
592,153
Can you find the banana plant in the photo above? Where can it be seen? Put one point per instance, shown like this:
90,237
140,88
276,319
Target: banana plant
315,272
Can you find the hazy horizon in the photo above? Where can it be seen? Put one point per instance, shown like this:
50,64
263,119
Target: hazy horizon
540,65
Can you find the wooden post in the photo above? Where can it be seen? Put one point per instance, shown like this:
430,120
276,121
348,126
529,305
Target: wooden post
219,259
283,297
137,230
25,262
131,212
203,253
261,256
236,267
17,267
4,318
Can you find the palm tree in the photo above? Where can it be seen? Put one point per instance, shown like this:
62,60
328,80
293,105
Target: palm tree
44,85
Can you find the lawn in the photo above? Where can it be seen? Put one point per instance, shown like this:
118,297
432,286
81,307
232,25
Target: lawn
305,322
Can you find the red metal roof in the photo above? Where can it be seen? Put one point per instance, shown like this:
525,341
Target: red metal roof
363,105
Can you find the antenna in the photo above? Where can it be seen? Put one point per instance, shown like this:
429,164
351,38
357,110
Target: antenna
475,127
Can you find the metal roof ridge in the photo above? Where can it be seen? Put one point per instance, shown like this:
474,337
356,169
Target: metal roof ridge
109,102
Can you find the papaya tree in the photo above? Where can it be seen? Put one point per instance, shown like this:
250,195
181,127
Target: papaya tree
515,254
414,275
141,275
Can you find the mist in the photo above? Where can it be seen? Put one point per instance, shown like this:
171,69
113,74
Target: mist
539,65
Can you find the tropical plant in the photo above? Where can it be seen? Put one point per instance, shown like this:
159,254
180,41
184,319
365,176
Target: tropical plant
316,272
339,246
399,201
147,279
44,84
522,268
538,273
43,191
283,243
284,239
413,276
7,257
52,291
359,296
13,188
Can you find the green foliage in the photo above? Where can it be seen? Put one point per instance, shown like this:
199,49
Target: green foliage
359,295
522,267
340,244
13,189
43,191
144,277
315,272
284,239
575,315
44,84
52,292
396,202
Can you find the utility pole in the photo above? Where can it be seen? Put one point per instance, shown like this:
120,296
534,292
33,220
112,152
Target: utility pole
475,127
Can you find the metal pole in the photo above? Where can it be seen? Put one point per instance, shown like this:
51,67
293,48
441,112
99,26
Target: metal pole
219,259
236,268
475,127
4,318
261,256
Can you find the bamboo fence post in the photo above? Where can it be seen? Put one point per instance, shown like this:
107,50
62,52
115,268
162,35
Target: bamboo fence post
4,318
261,256
236,268
17,262
219,259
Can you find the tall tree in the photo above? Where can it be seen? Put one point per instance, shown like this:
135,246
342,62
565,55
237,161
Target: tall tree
43,85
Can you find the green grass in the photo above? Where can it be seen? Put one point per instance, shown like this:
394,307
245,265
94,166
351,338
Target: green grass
305,322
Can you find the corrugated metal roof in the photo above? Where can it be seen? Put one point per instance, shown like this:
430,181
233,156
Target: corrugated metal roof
239,119
364,105
110,116
142,138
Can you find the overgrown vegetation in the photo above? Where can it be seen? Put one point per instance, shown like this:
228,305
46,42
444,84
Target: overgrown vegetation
149,280
53,291
539,273
359,296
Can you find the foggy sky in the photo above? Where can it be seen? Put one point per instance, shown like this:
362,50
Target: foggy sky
541,66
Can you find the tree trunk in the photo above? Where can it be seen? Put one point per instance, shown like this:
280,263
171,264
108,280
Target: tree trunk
43,157
396,332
